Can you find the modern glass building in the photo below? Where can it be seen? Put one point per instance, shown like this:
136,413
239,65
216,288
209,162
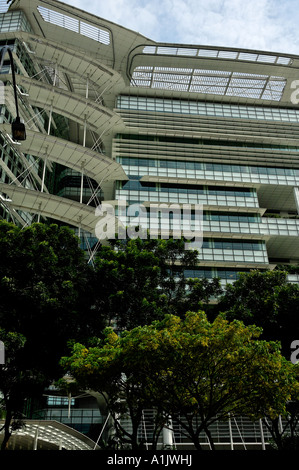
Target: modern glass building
113,116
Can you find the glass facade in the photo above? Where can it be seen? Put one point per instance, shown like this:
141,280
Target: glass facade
81,419
224,274
72,185
14,21
176,169
208,170
201,108
134,190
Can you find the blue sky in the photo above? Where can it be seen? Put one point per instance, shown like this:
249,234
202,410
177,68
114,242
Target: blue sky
270,25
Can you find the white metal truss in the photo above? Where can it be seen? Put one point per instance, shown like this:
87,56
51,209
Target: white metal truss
217,82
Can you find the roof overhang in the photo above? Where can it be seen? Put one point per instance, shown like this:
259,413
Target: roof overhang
76,107
55,207
49,435
79,29
82,159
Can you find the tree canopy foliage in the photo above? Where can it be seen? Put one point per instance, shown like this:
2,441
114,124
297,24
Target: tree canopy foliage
160,350
16,383
46,299
45,291
265,299
141,280
191,370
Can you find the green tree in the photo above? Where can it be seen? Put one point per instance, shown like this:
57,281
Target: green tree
47,295
128,277
191,370
140,280
284,433
268,300
16,384
46,291
104,370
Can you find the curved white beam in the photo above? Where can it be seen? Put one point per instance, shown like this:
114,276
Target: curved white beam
93,164
76,107
55,207
71,60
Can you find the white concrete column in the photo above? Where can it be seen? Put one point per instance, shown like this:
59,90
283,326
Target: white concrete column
262,435
2,353
230,434
35,440
168,435
296,196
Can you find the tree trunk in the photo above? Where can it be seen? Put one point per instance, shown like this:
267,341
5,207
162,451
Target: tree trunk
277,436
7,433
196,443
195,439
134,438
209,436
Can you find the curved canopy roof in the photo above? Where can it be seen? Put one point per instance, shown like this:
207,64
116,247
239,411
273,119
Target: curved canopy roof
98,118
75,63
55,207
95,165
50,435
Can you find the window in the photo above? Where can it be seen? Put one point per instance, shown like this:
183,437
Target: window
14,21
205,167
75,25
210,109
59,401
